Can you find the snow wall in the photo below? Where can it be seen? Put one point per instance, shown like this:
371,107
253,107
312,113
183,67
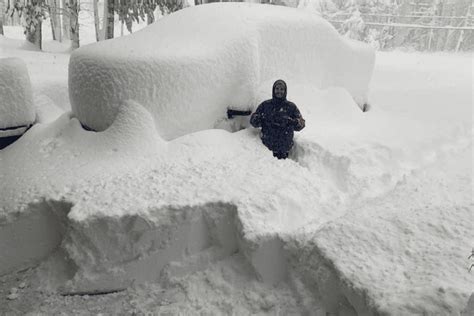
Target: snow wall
190,66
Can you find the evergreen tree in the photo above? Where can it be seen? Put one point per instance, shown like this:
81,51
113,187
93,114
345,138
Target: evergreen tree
32,14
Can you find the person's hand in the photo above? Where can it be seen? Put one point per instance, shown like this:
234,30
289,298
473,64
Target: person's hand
282,121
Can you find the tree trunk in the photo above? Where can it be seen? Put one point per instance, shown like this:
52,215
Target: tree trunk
56,20
150,18
66,19
35,37
2,15
52,13
96,20
105,21
110,19
53,31
74,21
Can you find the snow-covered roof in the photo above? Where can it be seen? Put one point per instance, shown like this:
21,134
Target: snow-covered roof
188,67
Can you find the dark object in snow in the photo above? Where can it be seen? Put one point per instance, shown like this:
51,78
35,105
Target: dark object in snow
231,113
87,128
11,135
92,293
278,118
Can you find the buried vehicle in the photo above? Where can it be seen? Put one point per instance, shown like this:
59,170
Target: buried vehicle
17,112
187,75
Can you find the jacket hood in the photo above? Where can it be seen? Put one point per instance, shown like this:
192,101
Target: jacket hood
273,90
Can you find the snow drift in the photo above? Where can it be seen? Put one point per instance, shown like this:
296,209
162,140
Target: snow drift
188,67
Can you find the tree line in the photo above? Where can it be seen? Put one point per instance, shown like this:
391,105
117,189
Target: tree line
64,16
424,25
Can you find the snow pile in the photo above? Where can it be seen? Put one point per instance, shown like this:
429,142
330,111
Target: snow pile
10,43
45,152
189,67
133,178
135,208
16,108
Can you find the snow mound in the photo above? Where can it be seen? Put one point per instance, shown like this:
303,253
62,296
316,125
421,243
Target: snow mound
190,66
127,174
16,108
14,43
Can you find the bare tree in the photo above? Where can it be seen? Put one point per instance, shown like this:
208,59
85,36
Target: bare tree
98,30
65,19
2,15
73,9
110,19
54,16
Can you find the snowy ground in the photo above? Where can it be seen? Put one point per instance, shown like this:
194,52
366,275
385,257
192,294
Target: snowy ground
372,213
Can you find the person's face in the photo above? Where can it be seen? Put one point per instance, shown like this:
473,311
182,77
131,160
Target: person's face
279,90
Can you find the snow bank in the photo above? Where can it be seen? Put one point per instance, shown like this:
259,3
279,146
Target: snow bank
188,67
127,172
125,185
7,43
16,107
113,253
402,254
33,236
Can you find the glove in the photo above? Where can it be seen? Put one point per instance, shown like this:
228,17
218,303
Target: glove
282,121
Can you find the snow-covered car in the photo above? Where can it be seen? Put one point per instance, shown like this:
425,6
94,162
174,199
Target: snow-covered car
17,112
189,67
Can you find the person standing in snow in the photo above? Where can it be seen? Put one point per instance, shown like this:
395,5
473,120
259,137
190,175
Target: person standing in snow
278,118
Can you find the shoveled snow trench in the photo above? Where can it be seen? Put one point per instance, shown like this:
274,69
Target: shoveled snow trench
168,245
106,255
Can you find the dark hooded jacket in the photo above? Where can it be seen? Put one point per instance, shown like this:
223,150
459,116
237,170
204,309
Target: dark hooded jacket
278,118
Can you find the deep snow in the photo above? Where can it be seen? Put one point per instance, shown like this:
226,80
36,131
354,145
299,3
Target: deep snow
372,212
189,67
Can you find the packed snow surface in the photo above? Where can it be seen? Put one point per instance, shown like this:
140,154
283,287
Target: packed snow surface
16,105
189,67
371,213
